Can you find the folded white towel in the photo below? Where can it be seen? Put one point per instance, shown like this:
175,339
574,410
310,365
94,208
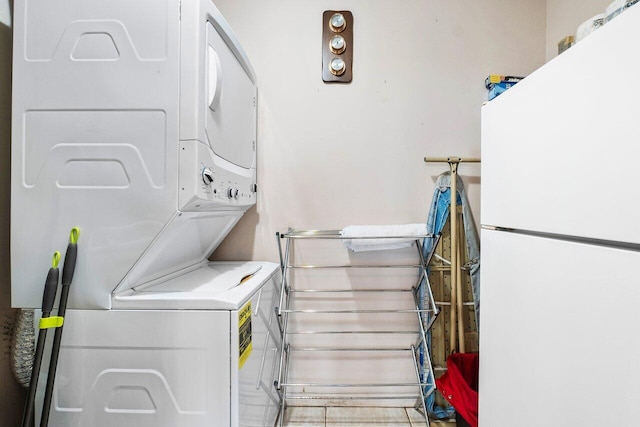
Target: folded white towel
383,237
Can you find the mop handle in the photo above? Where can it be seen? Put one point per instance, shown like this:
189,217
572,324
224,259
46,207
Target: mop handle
70,257
67,276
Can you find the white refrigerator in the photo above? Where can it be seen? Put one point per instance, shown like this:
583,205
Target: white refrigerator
560,239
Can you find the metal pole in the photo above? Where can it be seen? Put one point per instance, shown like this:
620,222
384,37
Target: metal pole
450,159
460,307
453,222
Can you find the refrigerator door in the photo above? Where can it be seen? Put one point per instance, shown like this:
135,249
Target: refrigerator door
556,147
559,333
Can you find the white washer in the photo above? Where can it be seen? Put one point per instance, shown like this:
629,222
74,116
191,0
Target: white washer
198,350
135,121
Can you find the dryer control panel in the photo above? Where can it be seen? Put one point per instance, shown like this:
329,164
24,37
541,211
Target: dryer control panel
207,181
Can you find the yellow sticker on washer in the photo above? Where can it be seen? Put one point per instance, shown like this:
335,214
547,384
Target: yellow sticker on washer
244,333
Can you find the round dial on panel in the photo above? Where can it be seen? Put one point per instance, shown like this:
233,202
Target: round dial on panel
337,22
232,193
337,44
207,176
337,66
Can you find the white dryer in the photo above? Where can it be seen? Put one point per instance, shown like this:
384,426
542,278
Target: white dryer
136,122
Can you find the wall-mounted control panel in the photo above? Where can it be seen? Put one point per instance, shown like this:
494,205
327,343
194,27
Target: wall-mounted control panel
337,46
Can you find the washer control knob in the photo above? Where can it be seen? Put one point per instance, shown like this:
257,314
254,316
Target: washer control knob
232,193
207,176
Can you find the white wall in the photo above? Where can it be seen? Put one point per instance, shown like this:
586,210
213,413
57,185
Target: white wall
564,17
334,155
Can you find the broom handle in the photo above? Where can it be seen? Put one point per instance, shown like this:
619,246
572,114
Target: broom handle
48,298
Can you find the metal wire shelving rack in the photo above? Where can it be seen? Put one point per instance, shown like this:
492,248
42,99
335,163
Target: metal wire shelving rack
425,315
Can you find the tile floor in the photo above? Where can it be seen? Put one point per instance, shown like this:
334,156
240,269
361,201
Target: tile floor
302,416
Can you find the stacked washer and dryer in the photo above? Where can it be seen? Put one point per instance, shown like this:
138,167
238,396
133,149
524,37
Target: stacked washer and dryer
136,123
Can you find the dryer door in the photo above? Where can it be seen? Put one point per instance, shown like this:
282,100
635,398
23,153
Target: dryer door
230,117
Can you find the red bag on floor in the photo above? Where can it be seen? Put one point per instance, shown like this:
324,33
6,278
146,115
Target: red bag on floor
459,385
